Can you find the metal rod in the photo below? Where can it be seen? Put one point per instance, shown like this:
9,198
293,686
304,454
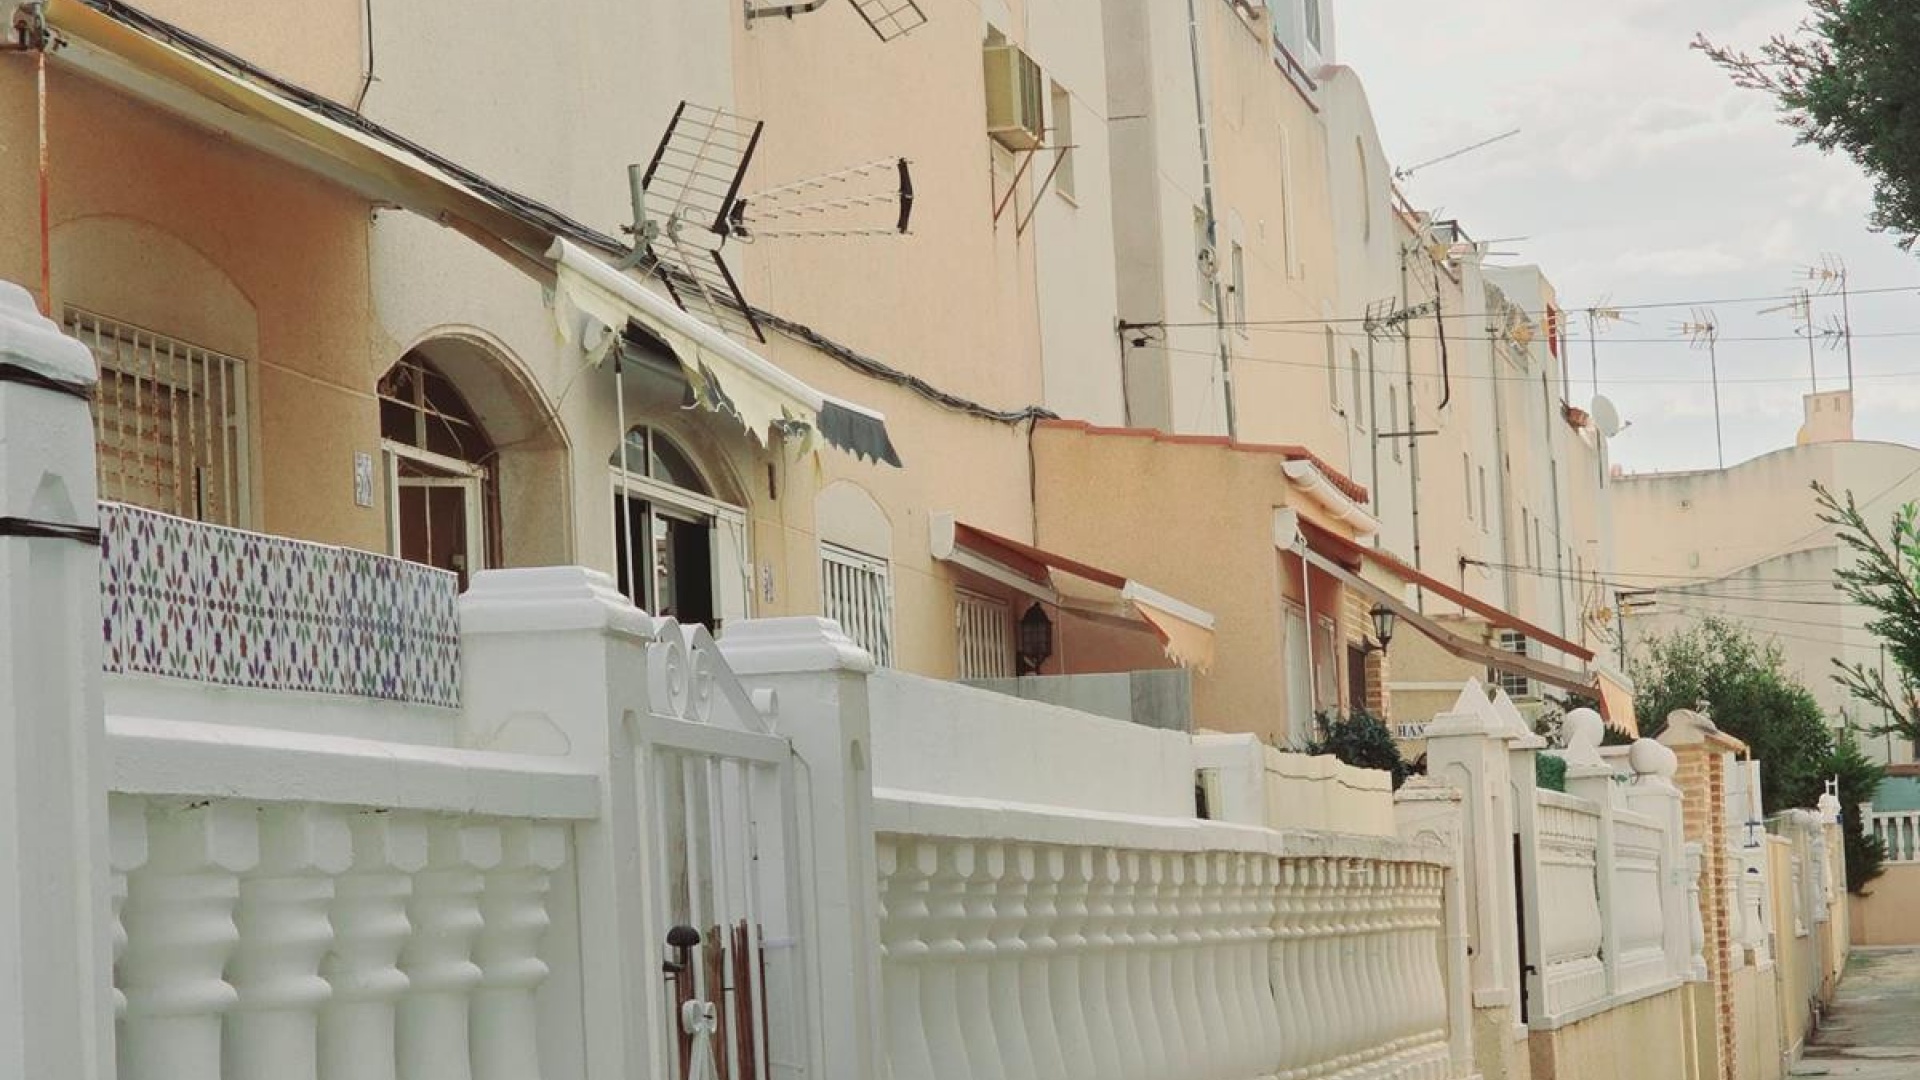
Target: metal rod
1713,364
1213,226
46,216
626,514
1846,326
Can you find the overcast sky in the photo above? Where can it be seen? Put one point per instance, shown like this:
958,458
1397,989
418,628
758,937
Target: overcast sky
1642,175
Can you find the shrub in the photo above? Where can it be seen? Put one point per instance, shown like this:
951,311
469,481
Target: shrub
1362,740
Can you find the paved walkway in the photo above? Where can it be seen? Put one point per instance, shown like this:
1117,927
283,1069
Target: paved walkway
1873,1028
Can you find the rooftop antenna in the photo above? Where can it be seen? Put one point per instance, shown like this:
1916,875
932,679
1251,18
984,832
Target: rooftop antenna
1800,303
1702,331
687,204
1599,317
1828,278
1402,174
888,19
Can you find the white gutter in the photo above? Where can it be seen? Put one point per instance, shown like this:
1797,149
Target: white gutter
1307,477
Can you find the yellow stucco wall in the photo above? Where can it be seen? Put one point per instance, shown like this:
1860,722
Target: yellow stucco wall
1890,912
1756,1024
223,248
1647,1038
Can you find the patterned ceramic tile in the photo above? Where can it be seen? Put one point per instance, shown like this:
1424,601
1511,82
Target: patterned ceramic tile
194,601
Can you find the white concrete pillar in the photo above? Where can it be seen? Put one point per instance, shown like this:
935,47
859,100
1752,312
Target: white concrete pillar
1655,795
818,678
56,946
513,914
556,657
434,1028
1428,811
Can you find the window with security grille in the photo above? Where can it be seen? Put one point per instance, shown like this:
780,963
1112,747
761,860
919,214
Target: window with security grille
986,636
169,421
856,591
1516,686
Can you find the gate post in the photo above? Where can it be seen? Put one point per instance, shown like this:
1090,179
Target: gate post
56,980
554,661
818,679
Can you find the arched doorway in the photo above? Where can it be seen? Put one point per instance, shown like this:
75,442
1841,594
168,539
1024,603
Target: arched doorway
442,494
680,550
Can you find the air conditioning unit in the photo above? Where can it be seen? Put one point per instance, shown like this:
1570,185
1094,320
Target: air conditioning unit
1016,99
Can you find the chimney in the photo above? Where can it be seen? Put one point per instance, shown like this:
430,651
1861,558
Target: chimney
1829,418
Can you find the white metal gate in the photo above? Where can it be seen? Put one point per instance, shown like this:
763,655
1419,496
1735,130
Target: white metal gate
726,826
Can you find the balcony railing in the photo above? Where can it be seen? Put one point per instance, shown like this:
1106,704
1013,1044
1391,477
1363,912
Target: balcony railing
186,600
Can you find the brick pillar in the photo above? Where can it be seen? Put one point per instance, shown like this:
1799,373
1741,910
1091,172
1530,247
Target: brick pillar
1702,751
1379,701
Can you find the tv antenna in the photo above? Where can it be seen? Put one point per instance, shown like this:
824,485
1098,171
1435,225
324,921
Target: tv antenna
888,19
1402,174
687,204
1702,331
1599,317
1800,303
1828,278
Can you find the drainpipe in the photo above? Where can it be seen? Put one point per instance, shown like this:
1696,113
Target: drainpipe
1508,581
1213,225
1413,470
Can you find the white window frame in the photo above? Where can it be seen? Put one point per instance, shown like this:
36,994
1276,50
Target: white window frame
464,475
90,328
1516,686
1060,104
983,635
679,502
872,627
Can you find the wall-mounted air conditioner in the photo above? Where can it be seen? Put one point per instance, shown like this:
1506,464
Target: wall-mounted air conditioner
1016,99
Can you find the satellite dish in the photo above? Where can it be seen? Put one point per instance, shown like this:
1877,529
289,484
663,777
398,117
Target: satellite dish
1606,417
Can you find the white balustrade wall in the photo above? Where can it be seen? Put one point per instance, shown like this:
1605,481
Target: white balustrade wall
1012,959
1565,860
1899,830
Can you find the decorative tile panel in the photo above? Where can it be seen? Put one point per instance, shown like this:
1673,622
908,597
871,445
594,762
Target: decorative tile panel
193,601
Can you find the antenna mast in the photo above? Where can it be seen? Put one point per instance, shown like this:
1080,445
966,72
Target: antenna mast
1402,174
1703,331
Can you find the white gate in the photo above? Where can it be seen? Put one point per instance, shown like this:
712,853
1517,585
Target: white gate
726,829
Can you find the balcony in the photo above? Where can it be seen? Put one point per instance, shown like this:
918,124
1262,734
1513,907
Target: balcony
186,600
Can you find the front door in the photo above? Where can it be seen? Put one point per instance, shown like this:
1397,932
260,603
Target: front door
437,513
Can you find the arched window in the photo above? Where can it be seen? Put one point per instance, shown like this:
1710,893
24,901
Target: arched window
678,550
441,498
1366,191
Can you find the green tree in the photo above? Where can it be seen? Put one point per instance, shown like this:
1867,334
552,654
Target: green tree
1746,689
1885,579
1844,80
1362,740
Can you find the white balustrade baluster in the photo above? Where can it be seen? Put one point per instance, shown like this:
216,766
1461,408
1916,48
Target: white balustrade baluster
513,916
1150,974
1284,963
1332,1008
433,1018
947,1034
985,1045
905,866
1040,959
1262,990
1001,898
126,852
1086,893
1192,950
370,926
180,934
273,1031
1128,968
1221,964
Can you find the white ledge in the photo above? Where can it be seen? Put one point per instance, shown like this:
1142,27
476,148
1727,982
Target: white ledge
200,760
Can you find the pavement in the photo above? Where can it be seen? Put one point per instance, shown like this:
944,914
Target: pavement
1872,1029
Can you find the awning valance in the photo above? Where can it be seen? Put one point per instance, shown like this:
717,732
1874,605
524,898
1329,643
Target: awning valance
1185,631
162,64
726,376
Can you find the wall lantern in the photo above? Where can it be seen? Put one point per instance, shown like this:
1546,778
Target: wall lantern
1035,640
1383,620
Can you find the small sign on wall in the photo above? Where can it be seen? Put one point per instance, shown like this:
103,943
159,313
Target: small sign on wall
362,479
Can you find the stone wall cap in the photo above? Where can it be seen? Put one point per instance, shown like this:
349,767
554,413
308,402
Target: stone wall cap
549,599
30,340
791,645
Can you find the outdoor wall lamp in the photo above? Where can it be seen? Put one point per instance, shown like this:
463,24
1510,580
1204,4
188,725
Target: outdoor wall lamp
1383,620
1035,640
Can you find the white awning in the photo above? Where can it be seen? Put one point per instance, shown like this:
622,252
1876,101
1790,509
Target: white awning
593,302
170,68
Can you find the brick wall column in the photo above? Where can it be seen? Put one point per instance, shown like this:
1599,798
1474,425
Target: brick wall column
1702,751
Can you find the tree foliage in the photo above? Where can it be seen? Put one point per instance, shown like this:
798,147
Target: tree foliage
1362,740
1744,686
1844,80
1884,579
